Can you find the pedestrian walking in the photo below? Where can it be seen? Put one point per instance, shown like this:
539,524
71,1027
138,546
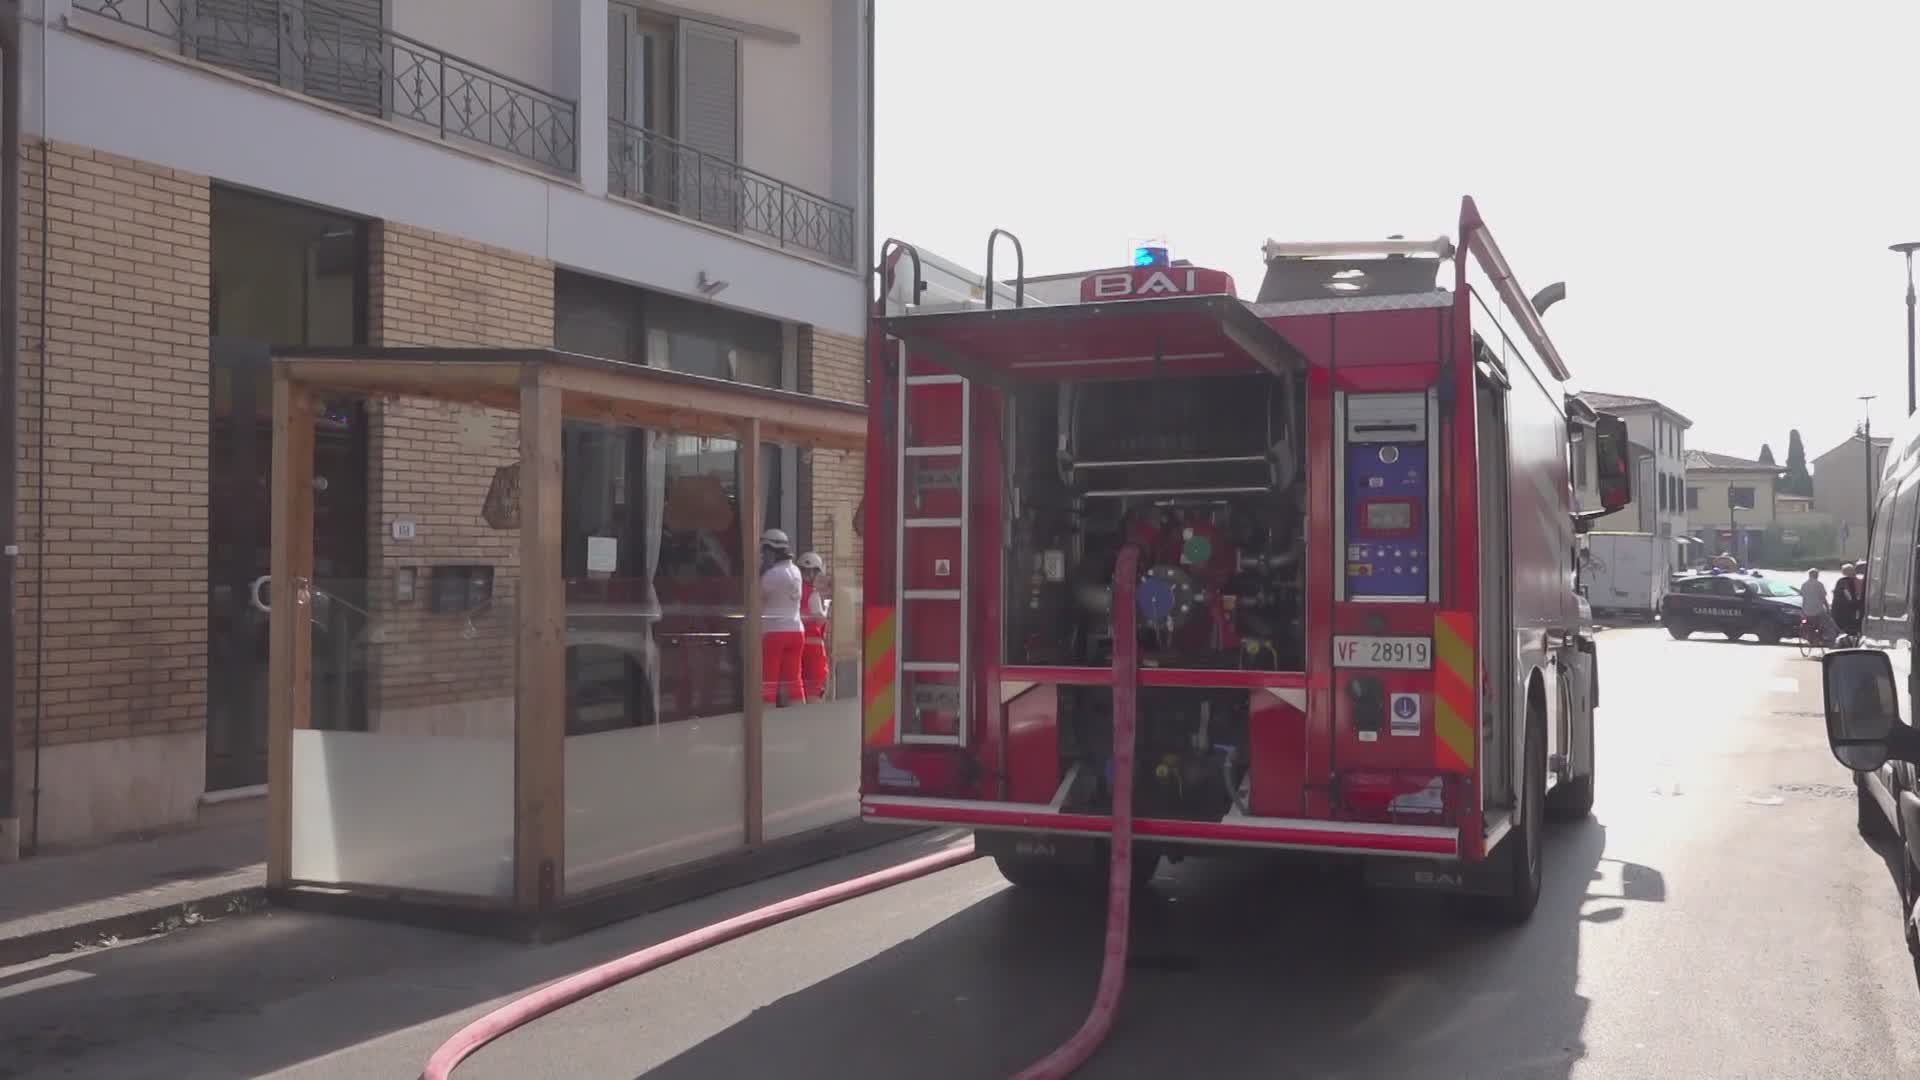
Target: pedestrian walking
813,616
781,633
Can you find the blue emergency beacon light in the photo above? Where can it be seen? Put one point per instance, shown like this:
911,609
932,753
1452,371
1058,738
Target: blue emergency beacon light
1151,253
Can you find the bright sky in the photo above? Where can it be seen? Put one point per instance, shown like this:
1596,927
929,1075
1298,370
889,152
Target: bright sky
1716,183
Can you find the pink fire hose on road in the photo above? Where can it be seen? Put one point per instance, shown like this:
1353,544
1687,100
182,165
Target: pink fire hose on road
605,976
1113,964
1113,969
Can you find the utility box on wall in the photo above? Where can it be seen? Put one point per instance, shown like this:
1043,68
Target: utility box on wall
461,587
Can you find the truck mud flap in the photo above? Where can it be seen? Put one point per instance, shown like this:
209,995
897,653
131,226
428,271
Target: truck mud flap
1486,878
1040,847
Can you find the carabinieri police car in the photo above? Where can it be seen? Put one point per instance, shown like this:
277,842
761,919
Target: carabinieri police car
1732,604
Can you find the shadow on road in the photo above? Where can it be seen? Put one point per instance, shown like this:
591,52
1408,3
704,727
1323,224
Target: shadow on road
266,992
1238,969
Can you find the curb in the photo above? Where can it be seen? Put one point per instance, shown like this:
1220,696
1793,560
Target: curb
159,919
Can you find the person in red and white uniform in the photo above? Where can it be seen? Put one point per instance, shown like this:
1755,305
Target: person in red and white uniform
781,640
813,617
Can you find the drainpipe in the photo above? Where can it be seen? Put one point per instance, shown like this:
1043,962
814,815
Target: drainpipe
11,59
868,268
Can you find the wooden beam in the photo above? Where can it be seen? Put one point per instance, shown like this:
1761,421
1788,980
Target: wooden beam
752,675
290,631
624,398
496,385
540,733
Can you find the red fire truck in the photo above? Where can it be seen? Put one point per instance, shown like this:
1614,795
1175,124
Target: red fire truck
1360,631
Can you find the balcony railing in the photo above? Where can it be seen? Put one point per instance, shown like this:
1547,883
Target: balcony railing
651,168
306,46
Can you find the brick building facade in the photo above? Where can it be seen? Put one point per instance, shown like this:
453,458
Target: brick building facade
113,667
112,585
188,209
433,463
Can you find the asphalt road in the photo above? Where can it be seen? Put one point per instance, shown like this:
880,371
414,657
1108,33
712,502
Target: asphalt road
1719,917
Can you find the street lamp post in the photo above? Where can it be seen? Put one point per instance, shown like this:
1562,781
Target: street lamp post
1866,427
1907,249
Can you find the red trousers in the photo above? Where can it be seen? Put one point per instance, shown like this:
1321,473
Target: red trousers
780,665
813,668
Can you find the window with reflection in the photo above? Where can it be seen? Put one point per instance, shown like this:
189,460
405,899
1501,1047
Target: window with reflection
700,339
652,560
653,564
651,526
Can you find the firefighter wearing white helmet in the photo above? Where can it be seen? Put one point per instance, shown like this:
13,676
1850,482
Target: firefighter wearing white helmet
781,637
813,616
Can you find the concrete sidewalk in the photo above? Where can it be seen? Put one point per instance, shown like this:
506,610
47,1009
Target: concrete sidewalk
130,888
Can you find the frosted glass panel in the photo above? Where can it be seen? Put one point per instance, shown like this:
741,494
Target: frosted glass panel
649,798
813,766
410,785
418,793
403,811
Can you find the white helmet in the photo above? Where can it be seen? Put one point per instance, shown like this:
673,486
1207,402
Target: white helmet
776,540
811,561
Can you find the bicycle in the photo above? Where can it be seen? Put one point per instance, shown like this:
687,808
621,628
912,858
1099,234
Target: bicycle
1813,638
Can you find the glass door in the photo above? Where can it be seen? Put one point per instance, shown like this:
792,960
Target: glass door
240,459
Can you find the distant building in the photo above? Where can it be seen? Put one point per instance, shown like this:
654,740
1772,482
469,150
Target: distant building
1840,486
1658,435
1730,501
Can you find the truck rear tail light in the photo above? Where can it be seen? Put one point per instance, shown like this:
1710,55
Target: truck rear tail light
1423,797
929,772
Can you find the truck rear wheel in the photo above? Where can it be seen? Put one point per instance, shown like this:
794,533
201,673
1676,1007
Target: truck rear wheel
1572,798
1522,853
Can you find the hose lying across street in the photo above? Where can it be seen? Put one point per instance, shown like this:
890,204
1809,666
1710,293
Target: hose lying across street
1113,969
586,983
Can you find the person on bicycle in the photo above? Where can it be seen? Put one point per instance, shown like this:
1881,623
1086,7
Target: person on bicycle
1848,608
1813,606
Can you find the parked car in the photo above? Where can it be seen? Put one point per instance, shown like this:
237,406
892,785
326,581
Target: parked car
1732,604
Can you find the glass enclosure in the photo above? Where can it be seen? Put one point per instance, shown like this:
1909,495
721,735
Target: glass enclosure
414,790
428,759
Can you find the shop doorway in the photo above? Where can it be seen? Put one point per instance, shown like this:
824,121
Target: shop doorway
283,274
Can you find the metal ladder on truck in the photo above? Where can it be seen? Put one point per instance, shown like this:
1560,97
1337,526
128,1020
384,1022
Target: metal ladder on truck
931,542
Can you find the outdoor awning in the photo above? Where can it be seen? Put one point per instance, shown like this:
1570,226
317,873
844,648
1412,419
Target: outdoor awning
1124,339
606,391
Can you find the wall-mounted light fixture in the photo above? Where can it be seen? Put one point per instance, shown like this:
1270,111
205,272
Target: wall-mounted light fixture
710,286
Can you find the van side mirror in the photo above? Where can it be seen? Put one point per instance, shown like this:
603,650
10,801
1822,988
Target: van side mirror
1863,710
1613,462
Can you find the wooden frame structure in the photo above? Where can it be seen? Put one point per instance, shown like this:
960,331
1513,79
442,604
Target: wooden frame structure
545,388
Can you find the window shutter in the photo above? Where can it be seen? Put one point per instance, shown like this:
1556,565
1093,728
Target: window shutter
341,56
240,35
619,40
710,91
710,124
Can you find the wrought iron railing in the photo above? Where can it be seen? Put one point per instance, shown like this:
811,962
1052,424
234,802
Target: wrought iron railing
649,167
307,46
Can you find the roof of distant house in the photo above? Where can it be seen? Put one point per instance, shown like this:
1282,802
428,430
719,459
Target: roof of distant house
1617,402
1880,442
1707,461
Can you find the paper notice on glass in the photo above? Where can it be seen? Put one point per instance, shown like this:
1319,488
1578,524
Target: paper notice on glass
603,555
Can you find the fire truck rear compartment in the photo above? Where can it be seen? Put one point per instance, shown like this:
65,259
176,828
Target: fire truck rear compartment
1191,752
1203,475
